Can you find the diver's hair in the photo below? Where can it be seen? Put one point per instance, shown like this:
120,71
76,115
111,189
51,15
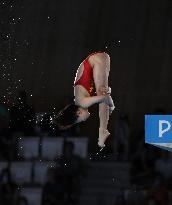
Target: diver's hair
67,116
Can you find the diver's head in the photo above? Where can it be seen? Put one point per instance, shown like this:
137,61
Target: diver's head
82,114
71,115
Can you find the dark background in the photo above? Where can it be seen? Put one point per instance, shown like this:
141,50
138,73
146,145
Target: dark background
42,44
51,39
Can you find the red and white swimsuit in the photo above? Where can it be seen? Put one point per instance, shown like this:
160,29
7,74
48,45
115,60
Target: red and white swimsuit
87,80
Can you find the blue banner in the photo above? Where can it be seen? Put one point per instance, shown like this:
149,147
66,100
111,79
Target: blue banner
158,129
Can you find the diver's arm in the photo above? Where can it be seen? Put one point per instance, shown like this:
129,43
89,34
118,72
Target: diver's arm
89,101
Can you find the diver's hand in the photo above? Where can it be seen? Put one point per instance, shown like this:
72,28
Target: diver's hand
111,109
108,100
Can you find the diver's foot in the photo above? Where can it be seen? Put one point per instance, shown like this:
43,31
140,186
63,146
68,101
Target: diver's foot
103,135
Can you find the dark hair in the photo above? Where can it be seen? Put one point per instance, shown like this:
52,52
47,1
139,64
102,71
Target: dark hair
67,116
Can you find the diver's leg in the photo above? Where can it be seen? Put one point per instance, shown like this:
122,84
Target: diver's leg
101,73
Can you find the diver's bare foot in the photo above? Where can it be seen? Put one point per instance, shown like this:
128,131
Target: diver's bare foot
103,135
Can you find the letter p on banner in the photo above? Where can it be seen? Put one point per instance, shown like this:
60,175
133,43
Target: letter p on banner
158,131
161,130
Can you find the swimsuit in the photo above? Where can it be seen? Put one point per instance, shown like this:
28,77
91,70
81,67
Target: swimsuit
87,80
